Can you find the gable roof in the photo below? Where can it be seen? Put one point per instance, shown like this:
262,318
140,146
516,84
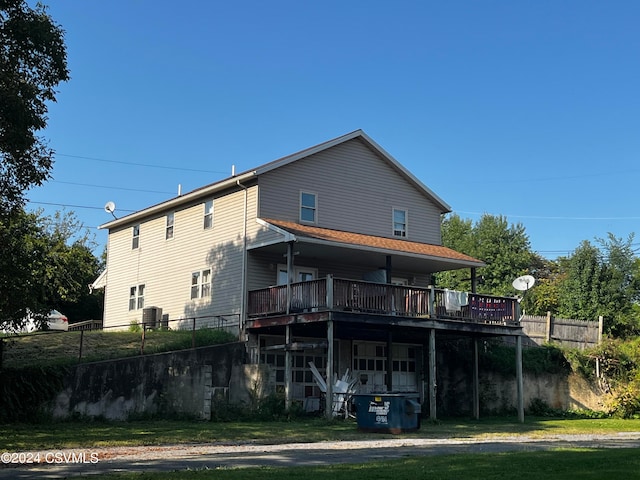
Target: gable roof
358,240
281,162
359,134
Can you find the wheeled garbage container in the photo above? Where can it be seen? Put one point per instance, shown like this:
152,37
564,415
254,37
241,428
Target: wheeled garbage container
388,412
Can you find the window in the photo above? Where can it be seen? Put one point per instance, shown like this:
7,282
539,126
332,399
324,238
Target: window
399,223
208,214
135,242
169,230
201,284
307,207
136,297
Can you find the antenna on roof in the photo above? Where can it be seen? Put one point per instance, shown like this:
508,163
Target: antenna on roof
110,207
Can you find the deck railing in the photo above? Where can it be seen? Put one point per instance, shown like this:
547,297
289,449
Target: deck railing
375,298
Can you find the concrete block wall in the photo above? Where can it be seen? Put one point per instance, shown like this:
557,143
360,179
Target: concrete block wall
173,383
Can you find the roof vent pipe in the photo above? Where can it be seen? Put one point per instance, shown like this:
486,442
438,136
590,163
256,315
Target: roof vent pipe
233,170
179,189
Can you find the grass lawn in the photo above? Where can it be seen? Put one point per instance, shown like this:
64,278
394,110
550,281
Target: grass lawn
25,437
585,464
64,347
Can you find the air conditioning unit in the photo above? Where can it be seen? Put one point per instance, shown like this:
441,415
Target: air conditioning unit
151,316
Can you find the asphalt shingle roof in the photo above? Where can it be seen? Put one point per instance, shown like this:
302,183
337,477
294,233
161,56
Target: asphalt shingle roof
360,239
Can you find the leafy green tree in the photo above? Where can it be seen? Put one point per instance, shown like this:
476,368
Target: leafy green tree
33,61
504,248
603,281
545,296
24,247
46,263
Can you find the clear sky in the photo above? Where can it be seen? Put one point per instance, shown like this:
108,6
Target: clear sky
527,109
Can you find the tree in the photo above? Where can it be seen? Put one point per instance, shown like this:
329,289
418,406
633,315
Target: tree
46,263
33,61
602,282
23,256
545,296
504,248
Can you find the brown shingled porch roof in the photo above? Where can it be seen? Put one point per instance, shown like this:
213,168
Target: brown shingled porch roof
391,245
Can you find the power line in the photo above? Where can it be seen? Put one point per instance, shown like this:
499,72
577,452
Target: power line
113,188
66,205
542,217
148,165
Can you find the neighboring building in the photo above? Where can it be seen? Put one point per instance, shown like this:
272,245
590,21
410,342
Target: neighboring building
355,233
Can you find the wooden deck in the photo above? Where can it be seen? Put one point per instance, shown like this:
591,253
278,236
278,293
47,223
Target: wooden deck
358,297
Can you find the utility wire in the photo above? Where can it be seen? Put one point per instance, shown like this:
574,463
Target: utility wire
147,165
113,188
542,217
66,205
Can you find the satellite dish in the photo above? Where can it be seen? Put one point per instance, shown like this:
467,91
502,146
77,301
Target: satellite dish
110,207
523,283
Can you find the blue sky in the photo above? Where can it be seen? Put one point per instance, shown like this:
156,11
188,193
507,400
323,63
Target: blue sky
525,109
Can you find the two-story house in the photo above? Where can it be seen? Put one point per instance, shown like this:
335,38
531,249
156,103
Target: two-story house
322,256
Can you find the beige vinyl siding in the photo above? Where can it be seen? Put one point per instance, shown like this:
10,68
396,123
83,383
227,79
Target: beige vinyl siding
165,266
263,270
357,191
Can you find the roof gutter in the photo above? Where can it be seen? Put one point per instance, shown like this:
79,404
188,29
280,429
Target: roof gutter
177,201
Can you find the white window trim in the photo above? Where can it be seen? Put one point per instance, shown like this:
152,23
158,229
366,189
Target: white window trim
315,208
406,222
136,297
135,239
207,214
169,231
200,285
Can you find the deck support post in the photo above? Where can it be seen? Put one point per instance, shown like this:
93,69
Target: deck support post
474,280
476,381
328,408
432,374
288,368
519,381
289,274
390,361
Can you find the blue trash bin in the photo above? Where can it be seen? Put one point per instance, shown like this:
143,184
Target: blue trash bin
388,412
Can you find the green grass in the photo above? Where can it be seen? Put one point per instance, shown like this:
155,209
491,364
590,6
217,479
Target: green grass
64,347
585,464
25,437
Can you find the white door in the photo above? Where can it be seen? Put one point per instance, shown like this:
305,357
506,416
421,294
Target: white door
300,274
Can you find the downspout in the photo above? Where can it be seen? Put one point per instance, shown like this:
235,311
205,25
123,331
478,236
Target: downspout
243,282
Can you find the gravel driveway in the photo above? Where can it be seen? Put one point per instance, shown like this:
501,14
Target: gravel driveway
69,463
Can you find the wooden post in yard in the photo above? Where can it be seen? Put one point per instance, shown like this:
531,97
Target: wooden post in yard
328,408
548,328
288,368
81,342
519,381
600,328
476,381
144,330
432,374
